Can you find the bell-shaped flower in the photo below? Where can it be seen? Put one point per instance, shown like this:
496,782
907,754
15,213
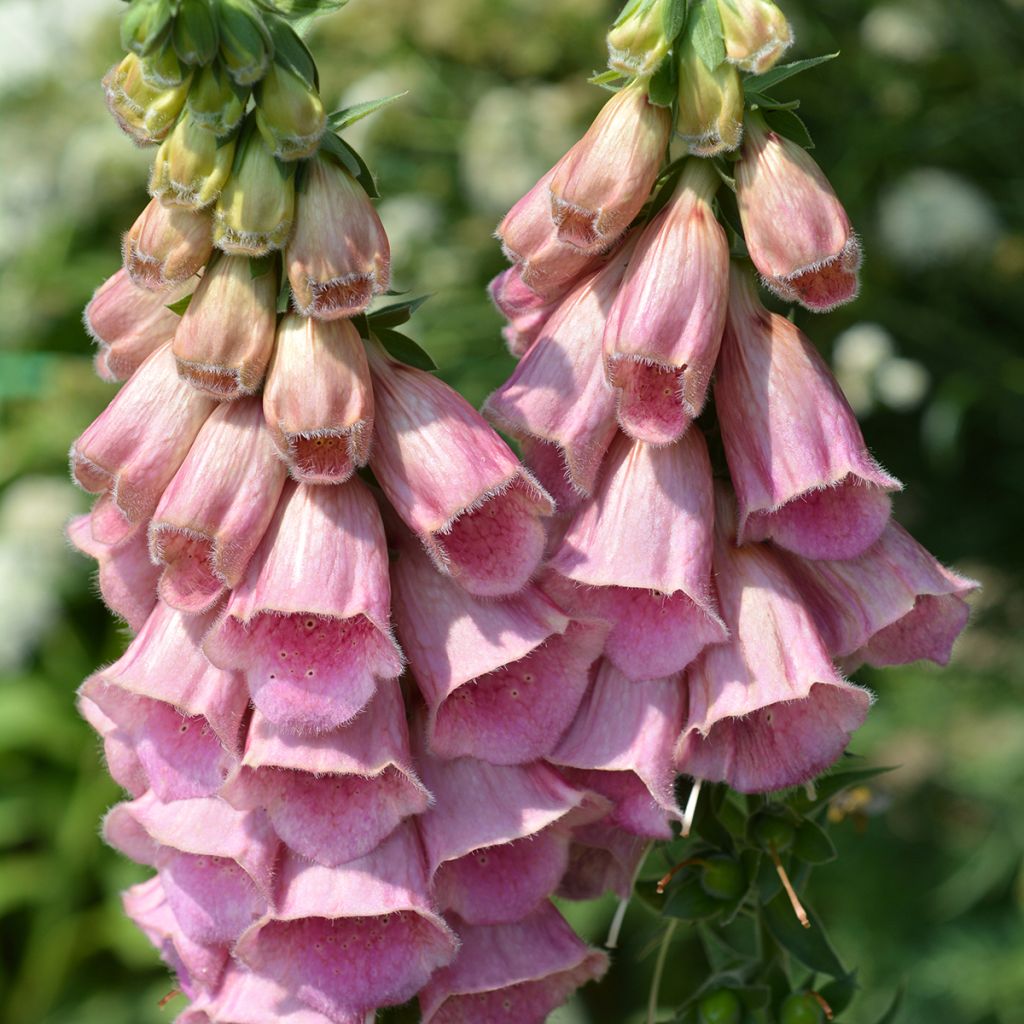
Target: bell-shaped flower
768,709
135,446
639,556
191,165
217,508
127,577
345,940
497,837
318,400
891,605
796,230
454,482
602,859
166,246
180,716
215,102
802,474
309,623
333,796
557,395
601,184
289,113
637,43
620,746
129,323
665,325
501,679
710,103
217,864
756,33
520,972
339,257
226,336
144,111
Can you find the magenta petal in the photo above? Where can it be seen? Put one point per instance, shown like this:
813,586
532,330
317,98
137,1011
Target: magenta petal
313,644
602,858
927,631
511,972
123,763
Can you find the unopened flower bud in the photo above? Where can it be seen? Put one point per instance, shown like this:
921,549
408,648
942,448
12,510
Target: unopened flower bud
256,208
191,165
601,184
195,32
756,33
145,25
166,246
143,111
289,114
226,336
710,118
245,43
162,69
216,102
637,42
797,232
339,256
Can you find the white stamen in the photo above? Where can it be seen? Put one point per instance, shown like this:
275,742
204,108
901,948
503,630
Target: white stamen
691,807
613,932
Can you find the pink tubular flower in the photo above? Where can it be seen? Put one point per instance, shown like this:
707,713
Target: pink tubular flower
602,858
892,605
339,257
796,455
796,230
129,323
177,715
127,577
620,745
454,482
133,448
600,185
215,511
318,401
640,553
501,679
345,940
665,326
166,246
767,710
557,395
313,643
337,795
511,972
497,838
226,335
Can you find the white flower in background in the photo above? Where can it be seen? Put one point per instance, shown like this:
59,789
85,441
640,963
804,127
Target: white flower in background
867,368
933,216
902,383
901,31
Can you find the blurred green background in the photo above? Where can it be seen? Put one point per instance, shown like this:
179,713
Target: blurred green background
920,127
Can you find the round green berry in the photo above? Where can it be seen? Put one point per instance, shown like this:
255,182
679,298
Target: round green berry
721,1007
771,831
723,878
801,1008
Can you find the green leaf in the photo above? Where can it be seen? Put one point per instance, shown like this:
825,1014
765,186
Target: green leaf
894,1007
788,123
673,18
663,86
262,265
829,785
839,993
404,349
144,26
291,52
760,100
336,147
303,8
707,35
605,77
396,314
341,119
809,945
762,82
688,900
181,305
812,845
196,38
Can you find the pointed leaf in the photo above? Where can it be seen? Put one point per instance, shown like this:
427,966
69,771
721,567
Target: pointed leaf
673,18
829,785
396,314
404,349
788,123
707,34
291,52
605,77
341,119
181,305
336,147
762,82
894,1007
839,993
303,8
690,902
812,844
809,945
662,88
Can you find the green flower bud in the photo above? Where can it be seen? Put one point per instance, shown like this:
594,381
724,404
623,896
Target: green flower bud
256,208
195,32
771,831
162,69
756,33
637,42
215,102
289,114
245,43
191,165
143,112
710,118
801,1008
145,25
723,878
721,1007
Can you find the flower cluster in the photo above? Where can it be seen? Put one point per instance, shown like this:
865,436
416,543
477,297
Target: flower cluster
736,597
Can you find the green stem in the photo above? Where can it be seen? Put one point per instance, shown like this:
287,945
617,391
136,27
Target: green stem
659,968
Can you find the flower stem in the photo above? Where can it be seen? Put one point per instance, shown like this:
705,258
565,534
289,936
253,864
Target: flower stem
659,969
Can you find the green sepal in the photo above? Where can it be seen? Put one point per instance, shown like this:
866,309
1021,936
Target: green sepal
673,18
291,52
347,116
787,122
809,945
341,151
284,295
396,314
764,81
605,78
688,901
145,25
663,85
295,9
261,265
840,992
759,101
181,305
196,37
894,1007
707,35
812,845
404,349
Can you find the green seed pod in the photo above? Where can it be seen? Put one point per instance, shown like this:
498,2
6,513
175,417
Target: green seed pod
195,32
245,44
721,1007
801,1008
723,878
216,102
